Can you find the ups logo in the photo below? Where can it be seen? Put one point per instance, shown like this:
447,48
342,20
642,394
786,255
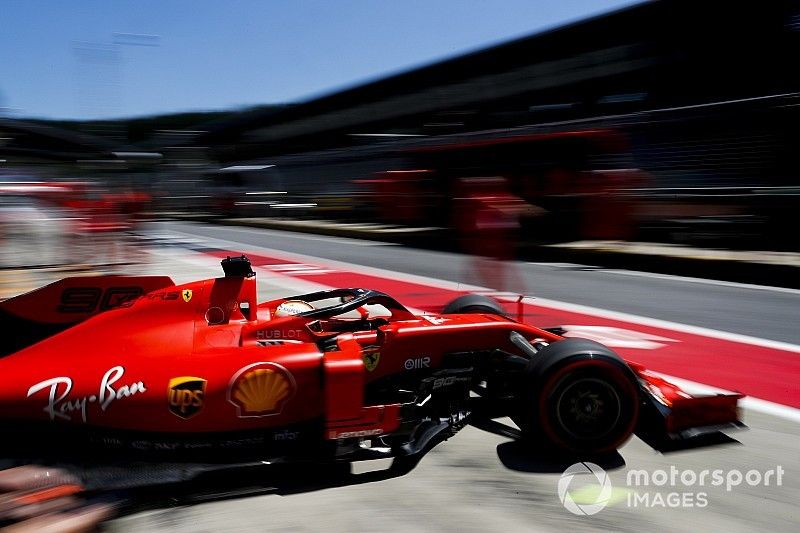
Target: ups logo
186,395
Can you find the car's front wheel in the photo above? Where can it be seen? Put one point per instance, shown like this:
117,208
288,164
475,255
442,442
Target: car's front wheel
580,397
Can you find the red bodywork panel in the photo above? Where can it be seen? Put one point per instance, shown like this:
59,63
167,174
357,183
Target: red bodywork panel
129,367
73,300
204,357
687,411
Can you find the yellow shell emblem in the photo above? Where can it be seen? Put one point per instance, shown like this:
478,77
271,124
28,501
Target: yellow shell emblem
261,389
187,295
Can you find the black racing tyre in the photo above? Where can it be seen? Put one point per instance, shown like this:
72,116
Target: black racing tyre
474,303
580,397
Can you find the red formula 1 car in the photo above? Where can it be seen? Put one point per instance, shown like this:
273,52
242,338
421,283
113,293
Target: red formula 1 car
138,369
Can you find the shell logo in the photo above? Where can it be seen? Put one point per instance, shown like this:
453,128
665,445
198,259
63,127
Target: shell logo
261,389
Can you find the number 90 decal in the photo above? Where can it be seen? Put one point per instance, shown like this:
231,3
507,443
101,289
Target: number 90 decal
90,299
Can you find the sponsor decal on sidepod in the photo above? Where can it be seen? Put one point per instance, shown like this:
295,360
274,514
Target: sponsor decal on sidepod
261,389
60,405
186,396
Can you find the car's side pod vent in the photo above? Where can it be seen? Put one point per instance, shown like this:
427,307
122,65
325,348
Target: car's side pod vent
237,267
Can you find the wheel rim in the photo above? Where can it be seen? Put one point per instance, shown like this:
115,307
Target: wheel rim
588,408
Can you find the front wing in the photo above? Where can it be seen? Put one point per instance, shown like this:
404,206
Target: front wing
671,419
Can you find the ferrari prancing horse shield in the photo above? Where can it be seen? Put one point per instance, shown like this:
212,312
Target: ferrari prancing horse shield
371,360
187,295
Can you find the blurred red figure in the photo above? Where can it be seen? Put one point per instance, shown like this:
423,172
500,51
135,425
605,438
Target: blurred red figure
487,219
402,196
103,222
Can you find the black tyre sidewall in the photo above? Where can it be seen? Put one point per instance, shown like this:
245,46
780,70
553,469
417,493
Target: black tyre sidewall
550,373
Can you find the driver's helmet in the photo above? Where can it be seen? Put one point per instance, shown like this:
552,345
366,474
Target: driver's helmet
293,307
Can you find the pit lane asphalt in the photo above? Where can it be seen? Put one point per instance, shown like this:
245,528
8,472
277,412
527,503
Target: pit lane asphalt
479,481
768,313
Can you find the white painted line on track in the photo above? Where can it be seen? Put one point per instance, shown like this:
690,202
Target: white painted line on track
685,279
544,302
566,266
287,284
666,324
755,404
665,277
296,235
341,265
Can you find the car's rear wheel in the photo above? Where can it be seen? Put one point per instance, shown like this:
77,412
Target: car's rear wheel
581,397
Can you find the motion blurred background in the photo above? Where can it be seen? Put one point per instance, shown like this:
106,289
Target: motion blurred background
662,122
562,149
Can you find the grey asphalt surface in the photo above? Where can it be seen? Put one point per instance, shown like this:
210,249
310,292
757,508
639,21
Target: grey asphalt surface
480,481
767,313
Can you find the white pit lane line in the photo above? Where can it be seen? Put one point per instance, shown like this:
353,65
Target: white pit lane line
755,404
305,236
685,279
665,277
